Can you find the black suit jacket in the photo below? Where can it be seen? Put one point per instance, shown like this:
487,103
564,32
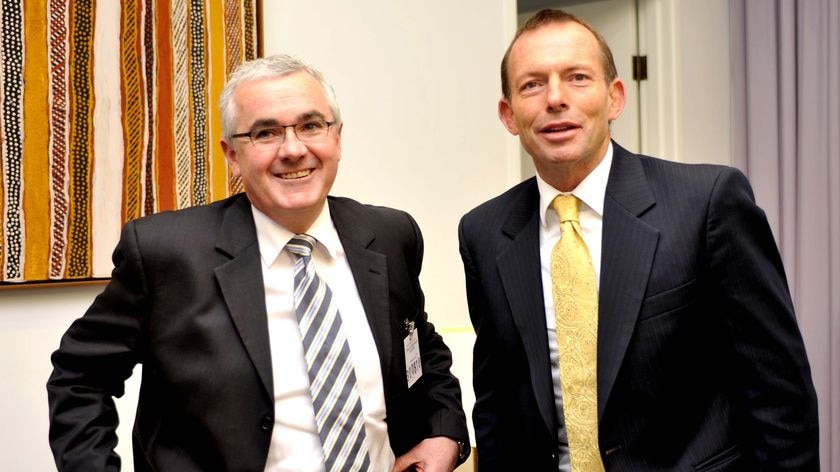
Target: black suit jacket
186,300
700,362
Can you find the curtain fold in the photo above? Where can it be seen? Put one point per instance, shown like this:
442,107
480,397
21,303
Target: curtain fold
786,138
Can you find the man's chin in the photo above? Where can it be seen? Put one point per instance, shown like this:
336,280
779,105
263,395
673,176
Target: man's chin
300,203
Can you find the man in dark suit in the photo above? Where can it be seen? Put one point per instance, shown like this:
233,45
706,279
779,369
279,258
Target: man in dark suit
697,360
207,300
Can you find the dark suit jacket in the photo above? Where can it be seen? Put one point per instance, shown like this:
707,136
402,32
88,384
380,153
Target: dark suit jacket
701,365
186,300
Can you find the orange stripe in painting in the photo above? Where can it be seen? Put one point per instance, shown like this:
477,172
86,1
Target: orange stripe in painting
165,155
216,40
36,202
132,104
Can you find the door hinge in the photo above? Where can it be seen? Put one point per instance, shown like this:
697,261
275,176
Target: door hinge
640,68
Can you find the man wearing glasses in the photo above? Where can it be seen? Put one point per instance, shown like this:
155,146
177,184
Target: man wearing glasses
279,330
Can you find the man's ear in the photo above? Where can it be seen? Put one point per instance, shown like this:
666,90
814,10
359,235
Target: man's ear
230,156
506,115
338,138
617,99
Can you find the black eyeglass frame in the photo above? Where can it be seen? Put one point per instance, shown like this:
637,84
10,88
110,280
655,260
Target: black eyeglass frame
250,134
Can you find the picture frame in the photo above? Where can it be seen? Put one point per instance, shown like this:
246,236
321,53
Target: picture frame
109,113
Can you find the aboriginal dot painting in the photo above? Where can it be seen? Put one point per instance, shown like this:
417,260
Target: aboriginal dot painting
108,112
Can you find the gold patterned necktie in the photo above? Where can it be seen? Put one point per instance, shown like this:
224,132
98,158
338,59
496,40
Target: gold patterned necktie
576,315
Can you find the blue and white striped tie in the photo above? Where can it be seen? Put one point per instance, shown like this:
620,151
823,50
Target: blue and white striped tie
332,382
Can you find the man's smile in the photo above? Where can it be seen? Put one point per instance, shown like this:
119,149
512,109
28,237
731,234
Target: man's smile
298,174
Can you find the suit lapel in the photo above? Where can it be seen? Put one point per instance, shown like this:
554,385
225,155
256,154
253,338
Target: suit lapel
628,248
370,272
241,284
519,269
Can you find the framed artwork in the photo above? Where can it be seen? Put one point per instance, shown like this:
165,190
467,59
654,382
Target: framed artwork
109,113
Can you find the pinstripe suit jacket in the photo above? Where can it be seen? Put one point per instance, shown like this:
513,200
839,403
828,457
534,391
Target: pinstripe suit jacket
186,300
700,366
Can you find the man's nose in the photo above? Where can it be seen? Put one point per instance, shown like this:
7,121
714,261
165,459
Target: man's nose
291,147
555,94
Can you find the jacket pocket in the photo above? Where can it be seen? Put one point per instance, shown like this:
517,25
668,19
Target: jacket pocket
669,300
727,459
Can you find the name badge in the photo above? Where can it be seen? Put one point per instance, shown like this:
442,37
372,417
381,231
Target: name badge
411,344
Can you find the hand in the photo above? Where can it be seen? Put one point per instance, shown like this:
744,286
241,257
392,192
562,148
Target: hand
437,454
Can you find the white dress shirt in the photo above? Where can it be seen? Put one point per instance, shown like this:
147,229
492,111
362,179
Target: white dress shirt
295,445
591,192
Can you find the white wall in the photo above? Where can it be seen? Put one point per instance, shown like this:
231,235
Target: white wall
31,324
686,101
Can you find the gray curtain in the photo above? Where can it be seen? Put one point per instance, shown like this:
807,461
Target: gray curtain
786,120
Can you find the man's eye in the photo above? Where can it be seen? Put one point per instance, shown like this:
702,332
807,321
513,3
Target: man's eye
530,85
266,134
310,127
579,77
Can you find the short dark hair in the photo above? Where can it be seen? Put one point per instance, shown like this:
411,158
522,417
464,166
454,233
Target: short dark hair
545,17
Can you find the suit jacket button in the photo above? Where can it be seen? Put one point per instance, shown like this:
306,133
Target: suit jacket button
266,423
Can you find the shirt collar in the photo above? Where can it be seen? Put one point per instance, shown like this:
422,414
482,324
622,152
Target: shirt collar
590,191
273,237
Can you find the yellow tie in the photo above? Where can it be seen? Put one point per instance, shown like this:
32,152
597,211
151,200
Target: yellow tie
576,315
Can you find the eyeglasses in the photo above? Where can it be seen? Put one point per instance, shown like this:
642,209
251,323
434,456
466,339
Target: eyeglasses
310,131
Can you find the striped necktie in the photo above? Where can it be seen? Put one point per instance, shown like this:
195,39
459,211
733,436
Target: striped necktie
576,314
332,382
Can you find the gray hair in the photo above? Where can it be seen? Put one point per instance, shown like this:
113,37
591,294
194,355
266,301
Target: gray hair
263,68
